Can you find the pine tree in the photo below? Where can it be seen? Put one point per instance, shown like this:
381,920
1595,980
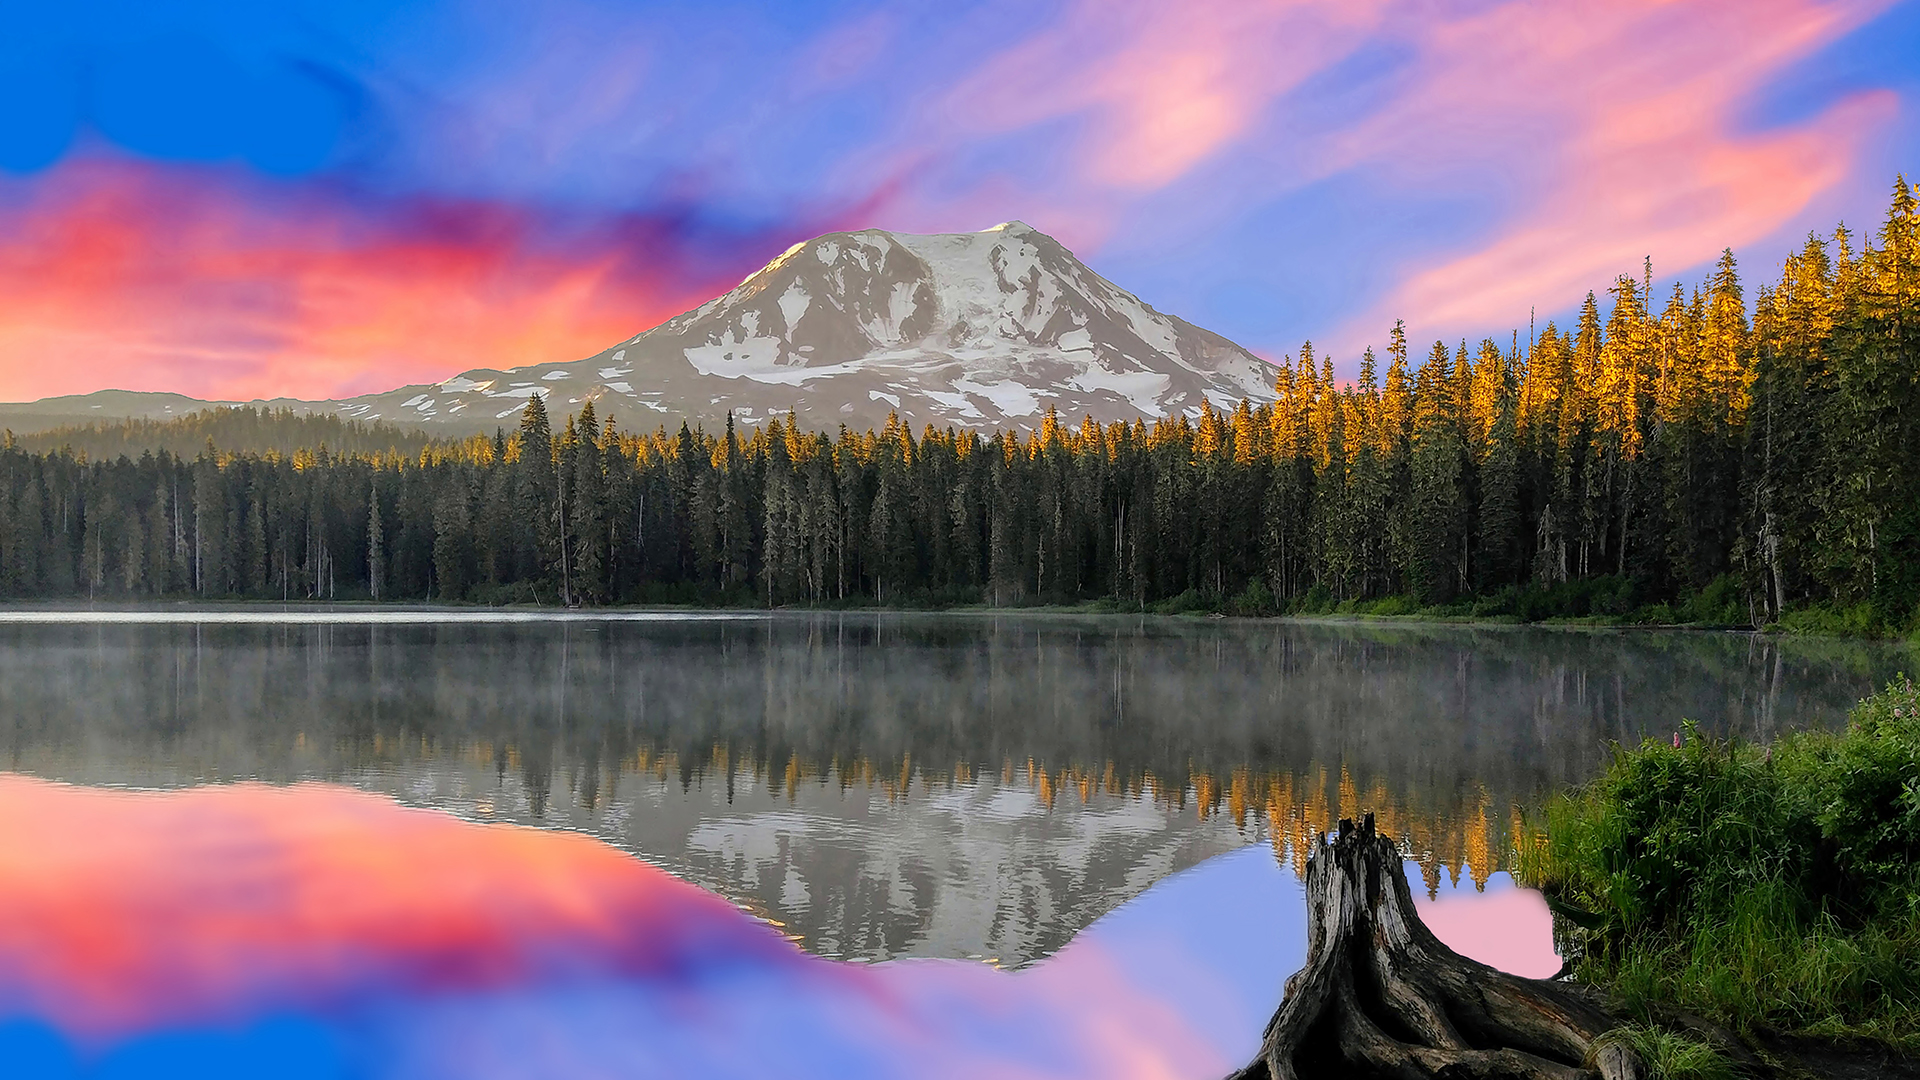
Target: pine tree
1438,507
209,517
587,507
780,552
1788,480
452,542
538,494
253,508
376,545
732,512
1500,534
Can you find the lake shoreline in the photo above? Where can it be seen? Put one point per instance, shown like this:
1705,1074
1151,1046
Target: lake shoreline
1766,885
1092,608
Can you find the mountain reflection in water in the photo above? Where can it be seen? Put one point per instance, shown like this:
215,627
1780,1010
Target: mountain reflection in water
908,785
319,931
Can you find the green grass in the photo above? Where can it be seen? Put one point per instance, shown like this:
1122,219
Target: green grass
1670,1056
1760,886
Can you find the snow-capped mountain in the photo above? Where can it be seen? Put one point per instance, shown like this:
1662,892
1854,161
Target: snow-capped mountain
983,329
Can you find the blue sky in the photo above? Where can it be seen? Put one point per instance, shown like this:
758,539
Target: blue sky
245,199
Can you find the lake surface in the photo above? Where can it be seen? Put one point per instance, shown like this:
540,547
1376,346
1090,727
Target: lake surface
900,785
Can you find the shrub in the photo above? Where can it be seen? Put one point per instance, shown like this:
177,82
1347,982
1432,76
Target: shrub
1500,602
1656,615
1759,885
1255,599
1609,596
1722,603
1392,605
1183,604
1317,601
1857,620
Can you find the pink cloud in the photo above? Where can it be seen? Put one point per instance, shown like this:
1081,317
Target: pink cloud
198,281
1604,134
1164,85
126,909
1623,123
1150,91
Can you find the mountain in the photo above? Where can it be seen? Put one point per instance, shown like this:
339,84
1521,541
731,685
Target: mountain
983,329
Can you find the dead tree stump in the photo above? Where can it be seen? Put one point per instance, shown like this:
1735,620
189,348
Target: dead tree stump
1381,997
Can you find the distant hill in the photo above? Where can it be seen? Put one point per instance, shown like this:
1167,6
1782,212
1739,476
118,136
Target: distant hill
236,429
970,330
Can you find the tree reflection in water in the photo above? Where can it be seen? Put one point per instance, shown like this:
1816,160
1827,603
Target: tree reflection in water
911,785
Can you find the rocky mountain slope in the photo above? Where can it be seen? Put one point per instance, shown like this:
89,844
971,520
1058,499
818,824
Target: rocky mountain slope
983,329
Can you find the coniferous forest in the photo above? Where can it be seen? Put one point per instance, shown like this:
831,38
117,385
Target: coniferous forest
1682,454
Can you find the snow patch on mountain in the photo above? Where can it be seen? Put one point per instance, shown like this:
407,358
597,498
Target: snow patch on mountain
970,329
986,329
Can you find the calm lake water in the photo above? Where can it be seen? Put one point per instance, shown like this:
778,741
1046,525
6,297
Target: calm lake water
900,785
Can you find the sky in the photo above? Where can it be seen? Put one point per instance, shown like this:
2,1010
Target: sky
244,199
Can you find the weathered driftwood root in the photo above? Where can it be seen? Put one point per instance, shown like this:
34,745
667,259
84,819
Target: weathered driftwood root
1380,996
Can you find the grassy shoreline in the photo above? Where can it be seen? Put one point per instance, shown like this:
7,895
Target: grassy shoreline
1390,611
1773,889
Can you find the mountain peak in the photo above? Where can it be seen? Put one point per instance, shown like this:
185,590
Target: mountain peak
971,329
984,329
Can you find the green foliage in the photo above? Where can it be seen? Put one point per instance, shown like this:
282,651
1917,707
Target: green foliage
1721,603
1189,602
1318,600
1255,599
1669,1055
1864,792
1606,597
1843,620
1390,606
1771,885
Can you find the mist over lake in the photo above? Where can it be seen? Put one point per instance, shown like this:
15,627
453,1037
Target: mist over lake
899,785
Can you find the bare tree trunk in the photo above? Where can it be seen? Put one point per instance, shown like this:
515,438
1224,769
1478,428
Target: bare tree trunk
1380,996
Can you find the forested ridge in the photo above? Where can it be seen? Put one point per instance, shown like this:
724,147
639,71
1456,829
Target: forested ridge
1665,457
236,430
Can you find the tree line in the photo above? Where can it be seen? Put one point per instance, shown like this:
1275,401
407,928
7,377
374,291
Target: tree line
1673,455
235,430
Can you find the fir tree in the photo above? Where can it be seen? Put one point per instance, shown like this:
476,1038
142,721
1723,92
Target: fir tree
376,545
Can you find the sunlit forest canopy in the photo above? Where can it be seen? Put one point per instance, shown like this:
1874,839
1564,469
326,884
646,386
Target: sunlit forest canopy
1666,454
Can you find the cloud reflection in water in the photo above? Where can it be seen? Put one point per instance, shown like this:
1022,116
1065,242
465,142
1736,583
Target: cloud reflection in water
317,930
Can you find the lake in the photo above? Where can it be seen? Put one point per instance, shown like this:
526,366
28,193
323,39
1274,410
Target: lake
879,788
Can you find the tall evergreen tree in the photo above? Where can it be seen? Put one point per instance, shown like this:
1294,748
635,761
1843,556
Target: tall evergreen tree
376,545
